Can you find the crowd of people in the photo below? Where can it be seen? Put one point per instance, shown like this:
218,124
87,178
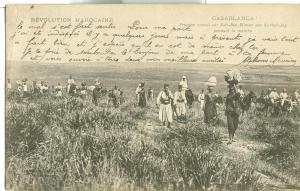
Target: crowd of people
171,106
24,89
274,96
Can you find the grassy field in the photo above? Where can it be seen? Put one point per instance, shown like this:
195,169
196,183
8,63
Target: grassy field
52,147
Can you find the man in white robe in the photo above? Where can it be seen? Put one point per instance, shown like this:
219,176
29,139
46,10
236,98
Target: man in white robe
58,90
164,101
274,95
283,96
180,103
184,83
69,83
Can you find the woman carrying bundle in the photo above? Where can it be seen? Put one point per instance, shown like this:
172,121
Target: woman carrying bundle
210,107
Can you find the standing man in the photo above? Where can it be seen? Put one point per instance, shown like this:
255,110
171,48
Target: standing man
201,99
83,90
58,90
70,82
150,94
232,112
142,100
283,96
180,103
25,87
137,91
164,101
95,94
273,95
184,83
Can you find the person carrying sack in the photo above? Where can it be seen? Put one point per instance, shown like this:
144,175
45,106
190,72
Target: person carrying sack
232,112
232,103
180,103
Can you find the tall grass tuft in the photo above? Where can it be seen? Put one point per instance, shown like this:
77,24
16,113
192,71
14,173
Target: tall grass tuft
283,136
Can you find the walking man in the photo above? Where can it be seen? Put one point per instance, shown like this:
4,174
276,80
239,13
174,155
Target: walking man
142,96
164,101
232,112
180,103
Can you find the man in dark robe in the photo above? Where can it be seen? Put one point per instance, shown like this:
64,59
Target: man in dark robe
95,95
210,108
142,96
232,112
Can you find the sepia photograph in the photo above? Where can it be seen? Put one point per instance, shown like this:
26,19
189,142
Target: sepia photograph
152,97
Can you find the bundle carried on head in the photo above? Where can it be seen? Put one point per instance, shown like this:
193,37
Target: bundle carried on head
211,82
233,76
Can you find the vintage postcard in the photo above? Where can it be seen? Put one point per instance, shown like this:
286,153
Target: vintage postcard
152,97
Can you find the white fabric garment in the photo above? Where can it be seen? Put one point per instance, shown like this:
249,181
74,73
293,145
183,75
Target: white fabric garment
274,95
59,93
283,96
201,98
91,88
180,102
212,81
25,88
241,92
137,92
71,81
165,110
184,84
59,89
43,88
234,74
